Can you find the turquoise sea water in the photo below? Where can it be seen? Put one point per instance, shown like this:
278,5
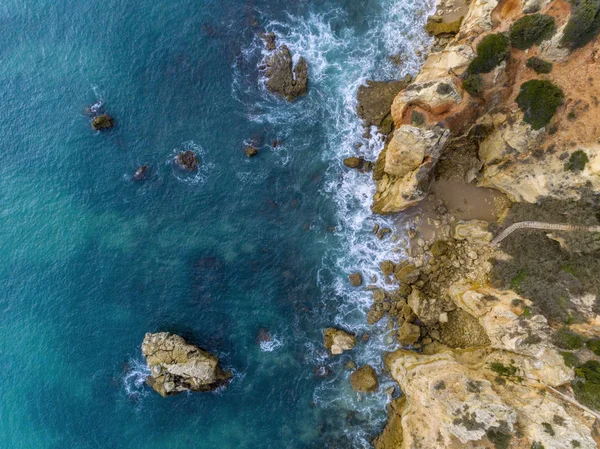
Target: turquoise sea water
91,261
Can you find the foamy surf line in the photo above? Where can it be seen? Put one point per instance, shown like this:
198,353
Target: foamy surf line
340,60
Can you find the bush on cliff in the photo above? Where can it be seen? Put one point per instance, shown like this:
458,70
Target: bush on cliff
539,100
473,84
491,52
583,24
531,29
577,161
539,65
587,384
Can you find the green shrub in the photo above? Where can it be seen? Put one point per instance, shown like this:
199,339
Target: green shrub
570,359
473,84
539,65
565,339
491,52
539,99
531,29
503,370
587,384
583,24
594,346
577,161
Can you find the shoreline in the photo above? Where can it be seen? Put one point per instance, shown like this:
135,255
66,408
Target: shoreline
477,331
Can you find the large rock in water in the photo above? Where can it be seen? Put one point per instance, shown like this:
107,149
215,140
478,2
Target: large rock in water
375,102
177,366
283,77
337,341
364,379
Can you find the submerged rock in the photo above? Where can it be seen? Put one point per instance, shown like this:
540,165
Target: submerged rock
103,121
364,380
176,366
140,173
250,151
337,341
283,78
188,160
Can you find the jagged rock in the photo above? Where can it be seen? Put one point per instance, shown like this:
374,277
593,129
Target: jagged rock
409,160
103,121
337,341
375,102
437,96
356,279
270,40
188,160
474,231
354,162
140,173
407,274
283,78
250,151
364,380
176,366
375,314
428,309
408,334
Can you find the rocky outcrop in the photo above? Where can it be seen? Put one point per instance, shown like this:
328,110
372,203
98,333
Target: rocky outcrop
337,341
187,160
375,102
102,122
405,172
283,77
177,366
364,380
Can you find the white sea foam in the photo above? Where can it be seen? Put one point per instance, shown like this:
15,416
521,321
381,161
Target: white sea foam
273,344
134,379
340,60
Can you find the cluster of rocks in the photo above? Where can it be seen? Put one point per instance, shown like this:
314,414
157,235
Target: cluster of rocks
177,366
283,77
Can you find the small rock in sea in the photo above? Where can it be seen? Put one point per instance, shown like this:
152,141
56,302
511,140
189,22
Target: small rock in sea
276,143
250,151
264,336
356,279
364,380
103,121
140,173
354,162
188,160
350,365
270,40
336,341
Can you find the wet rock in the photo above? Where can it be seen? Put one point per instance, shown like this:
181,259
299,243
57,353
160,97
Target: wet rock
188,160
356,279
270,40
375,314
383,232
364,380
321,371
375,102
337,341
176,366
264,336
141,173
103,121
350,365
354,162
407,274
283,78
250,151
409,334
387,267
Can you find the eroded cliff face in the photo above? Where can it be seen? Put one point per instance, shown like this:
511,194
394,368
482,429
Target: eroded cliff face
491,371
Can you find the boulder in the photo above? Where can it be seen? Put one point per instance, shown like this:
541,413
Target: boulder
407,274
103,121
354,162
473,231
409,334
375,102
404,174
140,173
364,380
250,151
283,78
356,279
387,267
337,341
188,160
177,366
428,309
